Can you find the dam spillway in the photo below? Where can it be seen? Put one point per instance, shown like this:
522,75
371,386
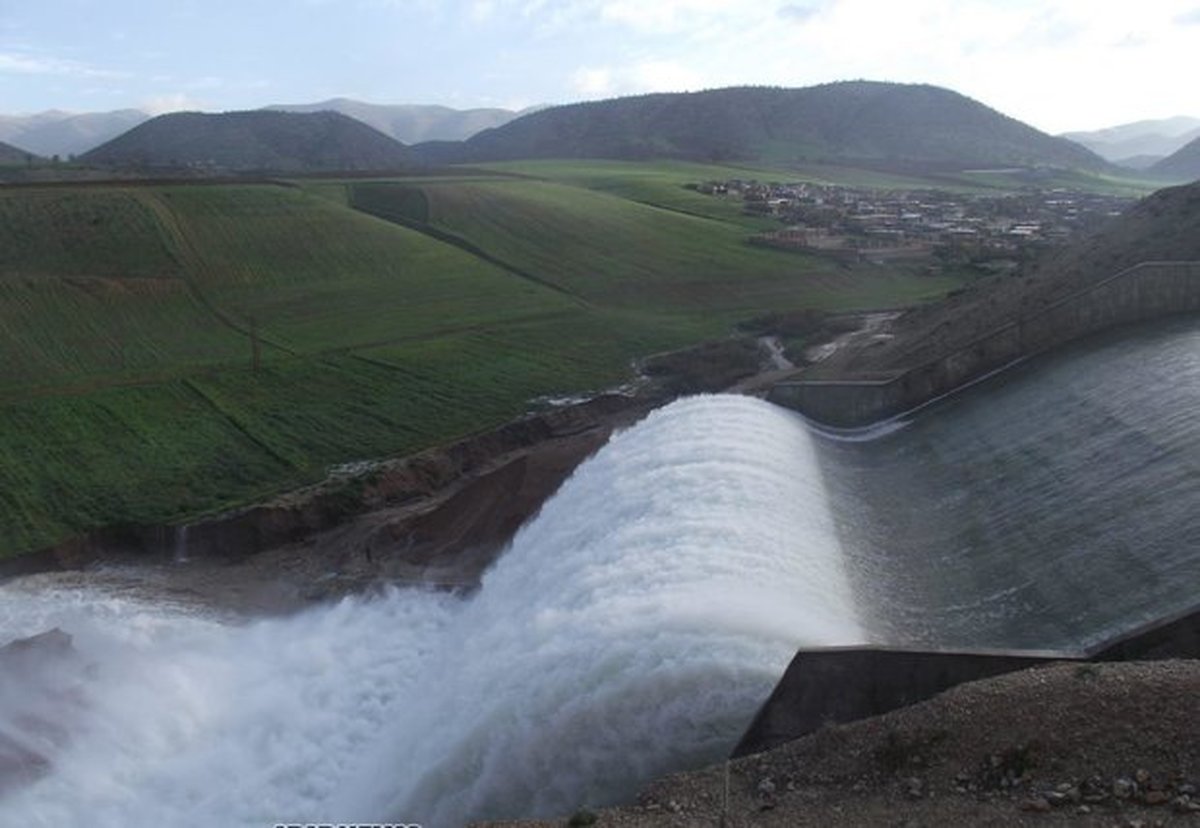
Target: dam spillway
639,620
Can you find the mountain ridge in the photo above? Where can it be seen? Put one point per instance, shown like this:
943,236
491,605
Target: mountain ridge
1158,137
253,140
1183,165
847,121
56,132
412,123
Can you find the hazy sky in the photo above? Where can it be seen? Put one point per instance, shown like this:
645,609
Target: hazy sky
1057,64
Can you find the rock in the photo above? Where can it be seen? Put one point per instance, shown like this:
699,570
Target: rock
1124,788
1156,798
1185,805
1037,804
1142,776
1083,810
914,787
766,786
1056,798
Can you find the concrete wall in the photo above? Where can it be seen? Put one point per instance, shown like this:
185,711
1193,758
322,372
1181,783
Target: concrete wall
844,684
1143,292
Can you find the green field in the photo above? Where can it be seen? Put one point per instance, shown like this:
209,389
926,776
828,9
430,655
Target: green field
389,316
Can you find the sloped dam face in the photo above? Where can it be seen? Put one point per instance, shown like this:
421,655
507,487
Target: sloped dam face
637,623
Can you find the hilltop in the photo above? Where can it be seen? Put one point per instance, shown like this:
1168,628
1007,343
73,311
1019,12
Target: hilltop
849,122
275,141
1183,165
411,123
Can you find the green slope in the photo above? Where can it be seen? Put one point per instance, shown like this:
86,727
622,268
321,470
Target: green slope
129,317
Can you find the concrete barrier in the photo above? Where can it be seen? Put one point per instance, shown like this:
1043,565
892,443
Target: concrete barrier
843,684
1146,291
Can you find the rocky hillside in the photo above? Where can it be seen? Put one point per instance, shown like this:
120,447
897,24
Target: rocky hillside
1183,165
858,121
241,141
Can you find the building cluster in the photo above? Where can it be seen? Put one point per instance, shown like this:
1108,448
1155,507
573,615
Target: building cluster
918,225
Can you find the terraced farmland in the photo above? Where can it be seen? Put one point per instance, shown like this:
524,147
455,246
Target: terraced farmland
131,316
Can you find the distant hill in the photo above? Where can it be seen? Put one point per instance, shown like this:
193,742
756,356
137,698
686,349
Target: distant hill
1183,165
855,121
1141,138
411,123
1138,162
12,155
261,140
66,133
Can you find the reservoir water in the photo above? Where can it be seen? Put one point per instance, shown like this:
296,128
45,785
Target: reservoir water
635,625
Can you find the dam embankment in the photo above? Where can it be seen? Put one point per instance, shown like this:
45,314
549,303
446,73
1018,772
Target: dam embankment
1144,292
835,685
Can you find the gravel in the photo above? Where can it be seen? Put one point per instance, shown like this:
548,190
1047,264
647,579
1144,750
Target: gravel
1086,744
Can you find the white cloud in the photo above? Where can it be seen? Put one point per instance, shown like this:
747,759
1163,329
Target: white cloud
635,78
665,16
30,64
592,82
171,102
1056,65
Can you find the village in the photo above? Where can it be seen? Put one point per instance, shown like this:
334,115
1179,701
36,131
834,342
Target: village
994,232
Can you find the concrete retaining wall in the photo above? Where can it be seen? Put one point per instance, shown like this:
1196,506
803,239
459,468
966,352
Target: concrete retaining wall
1143,292
845,684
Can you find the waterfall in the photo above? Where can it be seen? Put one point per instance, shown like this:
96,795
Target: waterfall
633,628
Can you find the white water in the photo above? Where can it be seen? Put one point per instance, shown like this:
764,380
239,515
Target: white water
632,629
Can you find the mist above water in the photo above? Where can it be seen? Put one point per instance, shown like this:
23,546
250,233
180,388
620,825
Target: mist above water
633,628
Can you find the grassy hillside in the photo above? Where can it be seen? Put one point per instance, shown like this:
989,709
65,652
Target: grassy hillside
10,155
389,316
261,140
856,121
1182,165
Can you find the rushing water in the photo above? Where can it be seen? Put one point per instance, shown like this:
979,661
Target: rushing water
632,629
636,624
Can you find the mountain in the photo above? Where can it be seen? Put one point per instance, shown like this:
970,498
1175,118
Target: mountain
1140,163
411,123
1126,141
259,140
12,155
1183,165
853,121
60,133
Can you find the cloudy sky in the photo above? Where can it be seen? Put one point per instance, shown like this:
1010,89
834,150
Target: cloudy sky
1057,64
